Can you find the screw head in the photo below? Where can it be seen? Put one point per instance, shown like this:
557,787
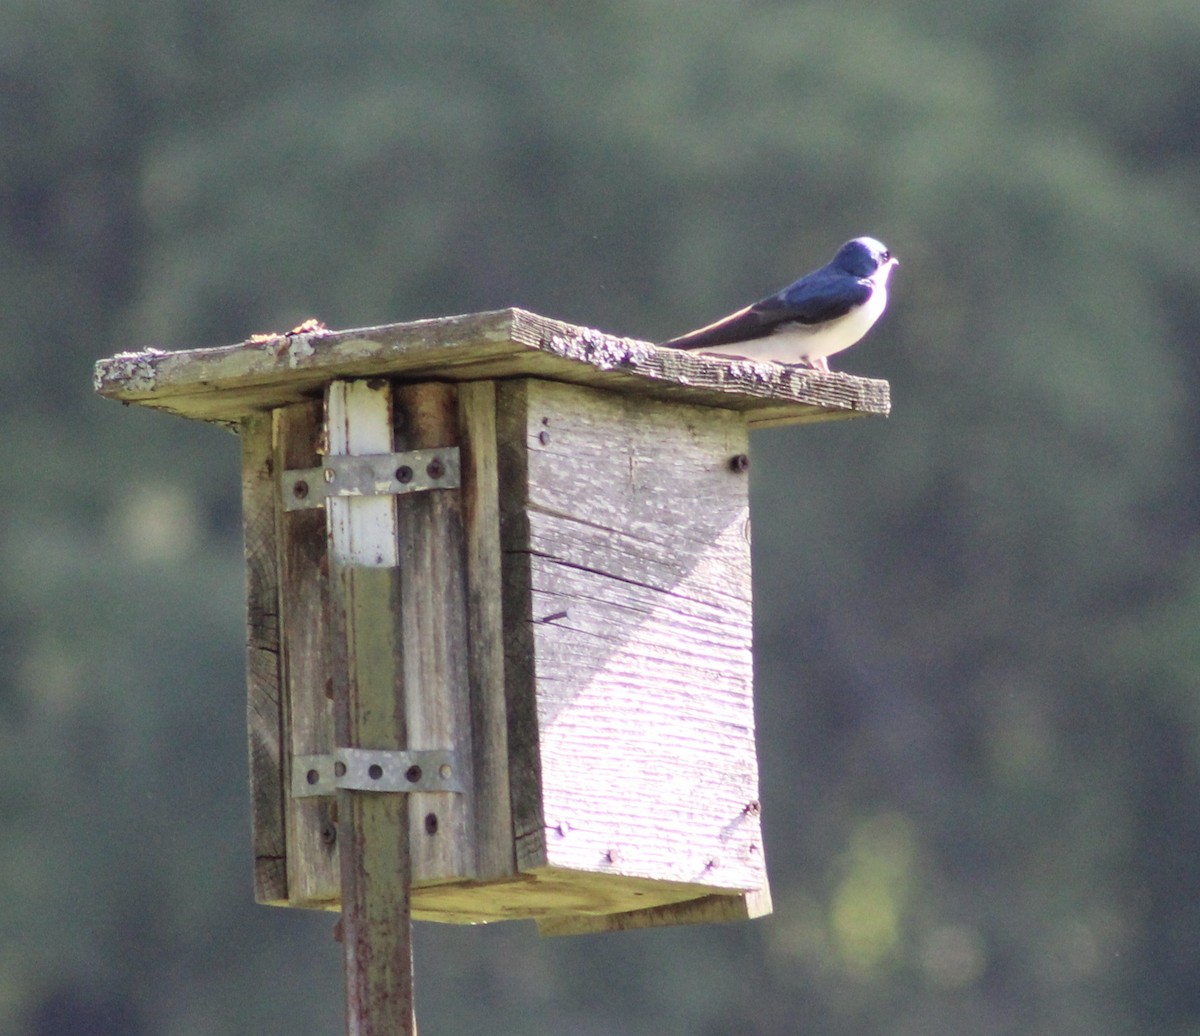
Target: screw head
740,463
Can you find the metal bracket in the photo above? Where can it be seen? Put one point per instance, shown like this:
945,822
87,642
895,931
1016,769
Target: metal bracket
380,474
365,769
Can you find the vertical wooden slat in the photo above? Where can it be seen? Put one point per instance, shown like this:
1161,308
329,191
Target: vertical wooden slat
376,870
520,678
495,851
434,635
263,702
312,861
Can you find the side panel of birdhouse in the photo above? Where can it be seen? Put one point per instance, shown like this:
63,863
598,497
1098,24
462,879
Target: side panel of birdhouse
625,527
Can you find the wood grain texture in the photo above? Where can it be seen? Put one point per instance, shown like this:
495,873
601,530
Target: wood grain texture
226,383
362,530
495,852
627,573
520,668
432,609
264,706
303,562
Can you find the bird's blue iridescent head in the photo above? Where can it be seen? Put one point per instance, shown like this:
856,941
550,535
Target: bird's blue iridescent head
861,257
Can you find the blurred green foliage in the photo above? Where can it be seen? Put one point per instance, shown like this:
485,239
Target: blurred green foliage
976,622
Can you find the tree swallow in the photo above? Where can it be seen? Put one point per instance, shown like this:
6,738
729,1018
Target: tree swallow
821,314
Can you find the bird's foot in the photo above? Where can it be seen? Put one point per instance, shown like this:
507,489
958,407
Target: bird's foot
819,363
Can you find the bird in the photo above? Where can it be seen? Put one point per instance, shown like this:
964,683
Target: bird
822,313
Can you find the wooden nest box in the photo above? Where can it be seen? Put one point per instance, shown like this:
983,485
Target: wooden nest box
498,574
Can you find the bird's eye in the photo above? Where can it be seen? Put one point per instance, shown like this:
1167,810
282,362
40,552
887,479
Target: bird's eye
886,255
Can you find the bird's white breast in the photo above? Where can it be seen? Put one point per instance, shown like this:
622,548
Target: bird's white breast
796,343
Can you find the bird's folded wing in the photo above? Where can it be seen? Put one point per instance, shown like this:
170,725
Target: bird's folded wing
742,326
813,300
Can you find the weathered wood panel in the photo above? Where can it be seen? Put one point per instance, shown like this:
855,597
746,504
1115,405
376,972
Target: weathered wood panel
308,666
628,587
264,707
495,850
432,609
520,670
224,384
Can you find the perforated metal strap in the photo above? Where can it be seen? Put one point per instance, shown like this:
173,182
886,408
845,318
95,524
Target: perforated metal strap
379,474
365,769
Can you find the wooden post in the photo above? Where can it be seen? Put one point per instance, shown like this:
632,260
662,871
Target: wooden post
375,858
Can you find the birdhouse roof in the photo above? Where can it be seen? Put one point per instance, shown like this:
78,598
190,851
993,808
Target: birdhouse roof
224,384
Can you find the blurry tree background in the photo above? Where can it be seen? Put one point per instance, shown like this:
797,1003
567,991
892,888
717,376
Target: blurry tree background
976,623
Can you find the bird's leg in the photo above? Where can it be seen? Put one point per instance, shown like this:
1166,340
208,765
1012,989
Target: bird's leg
817,363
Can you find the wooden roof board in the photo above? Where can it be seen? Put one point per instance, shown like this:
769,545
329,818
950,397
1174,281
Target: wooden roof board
224,384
